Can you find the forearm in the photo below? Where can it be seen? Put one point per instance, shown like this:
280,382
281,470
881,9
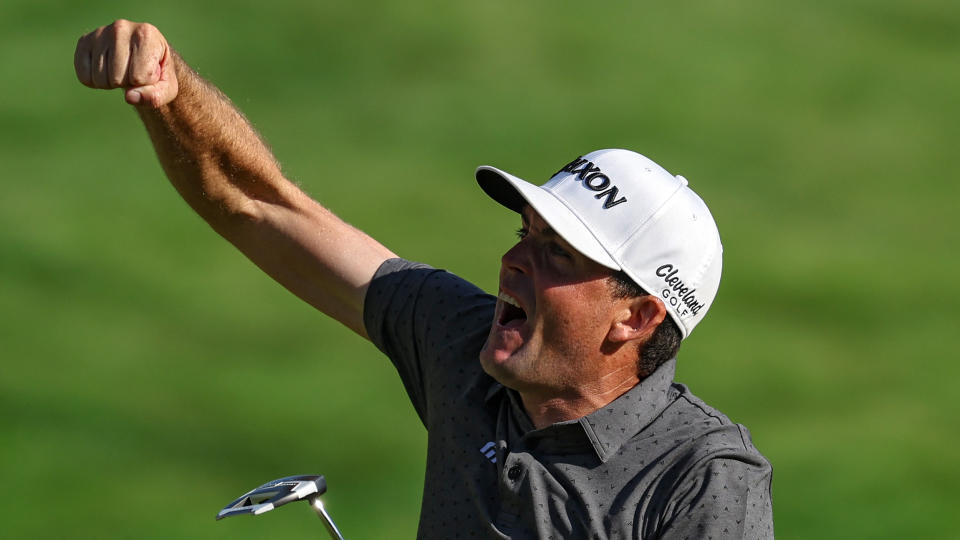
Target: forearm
226,173
212,155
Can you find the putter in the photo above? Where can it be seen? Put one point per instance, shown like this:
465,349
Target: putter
280,492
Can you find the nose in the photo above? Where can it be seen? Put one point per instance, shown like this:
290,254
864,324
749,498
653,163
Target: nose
517,258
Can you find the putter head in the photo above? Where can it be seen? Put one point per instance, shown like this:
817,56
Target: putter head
276,493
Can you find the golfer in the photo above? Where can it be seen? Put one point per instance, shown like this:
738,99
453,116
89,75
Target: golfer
551,409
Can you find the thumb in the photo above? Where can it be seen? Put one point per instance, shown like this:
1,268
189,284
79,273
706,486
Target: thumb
153,96
159,93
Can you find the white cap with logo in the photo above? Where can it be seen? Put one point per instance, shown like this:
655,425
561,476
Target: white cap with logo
627,213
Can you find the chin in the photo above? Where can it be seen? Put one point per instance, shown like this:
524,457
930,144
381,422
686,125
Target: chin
489,362
496,365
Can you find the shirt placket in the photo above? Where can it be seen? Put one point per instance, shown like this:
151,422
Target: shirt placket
513,478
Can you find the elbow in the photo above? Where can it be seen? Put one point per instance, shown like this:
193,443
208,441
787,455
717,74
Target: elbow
230,216
240,215
238,198
245,211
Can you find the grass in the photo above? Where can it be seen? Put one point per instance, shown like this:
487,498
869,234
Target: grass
136,346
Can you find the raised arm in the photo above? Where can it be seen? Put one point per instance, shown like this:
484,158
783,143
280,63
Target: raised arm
221,167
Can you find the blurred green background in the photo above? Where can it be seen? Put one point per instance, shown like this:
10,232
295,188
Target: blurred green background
149,373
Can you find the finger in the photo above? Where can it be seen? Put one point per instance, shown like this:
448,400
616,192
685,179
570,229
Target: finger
147,51
118,56
98,58
82,62
99,66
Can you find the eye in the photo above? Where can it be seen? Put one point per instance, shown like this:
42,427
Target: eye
522,233
556,249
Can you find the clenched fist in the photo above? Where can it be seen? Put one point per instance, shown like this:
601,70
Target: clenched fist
133,56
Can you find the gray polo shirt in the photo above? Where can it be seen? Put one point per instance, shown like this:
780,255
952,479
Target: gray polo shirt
657,462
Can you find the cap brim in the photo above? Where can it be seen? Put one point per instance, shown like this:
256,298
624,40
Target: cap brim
515,193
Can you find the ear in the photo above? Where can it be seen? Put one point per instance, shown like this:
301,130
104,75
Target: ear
637,320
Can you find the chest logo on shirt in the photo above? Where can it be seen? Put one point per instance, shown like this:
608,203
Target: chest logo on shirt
490,451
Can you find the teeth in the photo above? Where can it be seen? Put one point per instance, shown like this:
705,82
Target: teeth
509,299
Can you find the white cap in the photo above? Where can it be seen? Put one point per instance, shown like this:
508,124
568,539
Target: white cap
627,213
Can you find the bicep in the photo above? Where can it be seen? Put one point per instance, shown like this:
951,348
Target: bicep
314,254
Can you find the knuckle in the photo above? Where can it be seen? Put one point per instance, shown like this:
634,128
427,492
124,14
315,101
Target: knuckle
138,79
145,32
142,32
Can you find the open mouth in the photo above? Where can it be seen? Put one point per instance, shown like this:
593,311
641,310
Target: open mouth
512,314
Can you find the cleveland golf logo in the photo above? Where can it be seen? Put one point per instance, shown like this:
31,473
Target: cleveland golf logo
677,292
594,180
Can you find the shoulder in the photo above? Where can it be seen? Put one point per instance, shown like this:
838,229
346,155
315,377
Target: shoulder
430,323
700,445
406,281
710,432
417,310
718,481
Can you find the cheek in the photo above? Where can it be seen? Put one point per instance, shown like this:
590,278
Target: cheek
571,319
581,300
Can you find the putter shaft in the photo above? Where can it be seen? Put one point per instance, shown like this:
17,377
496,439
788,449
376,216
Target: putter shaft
317,505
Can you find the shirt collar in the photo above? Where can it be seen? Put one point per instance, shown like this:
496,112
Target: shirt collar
609,427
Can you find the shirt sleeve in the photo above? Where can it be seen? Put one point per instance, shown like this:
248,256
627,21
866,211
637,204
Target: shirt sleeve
429,322
726,498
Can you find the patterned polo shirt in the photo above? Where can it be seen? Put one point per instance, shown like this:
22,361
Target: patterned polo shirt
657,462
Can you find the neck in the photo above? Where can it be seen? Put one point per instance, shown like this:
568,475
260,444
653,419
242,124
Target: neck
547,409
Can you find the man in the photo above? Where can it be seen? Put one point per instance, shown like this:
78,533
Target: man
551,409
